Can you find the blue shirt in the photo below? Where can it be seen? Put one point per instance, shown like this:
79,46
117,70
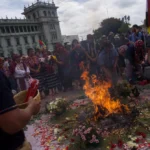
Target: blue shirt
133,37
107,59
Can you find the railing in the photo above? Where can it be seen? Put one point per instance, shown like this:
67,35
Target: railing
39,4
17,21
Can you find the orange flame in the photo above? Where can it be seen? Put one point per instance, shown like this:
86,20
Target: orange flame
100,96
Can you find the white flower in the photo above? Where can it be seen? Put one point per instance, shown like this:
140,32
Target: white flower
57,131
131,144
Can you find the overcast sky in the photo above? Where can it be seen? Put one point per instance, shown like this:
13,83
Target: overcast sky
82,16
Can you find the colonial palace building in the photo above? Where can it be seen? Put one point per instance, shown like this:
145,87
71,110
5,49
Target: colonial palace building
40,23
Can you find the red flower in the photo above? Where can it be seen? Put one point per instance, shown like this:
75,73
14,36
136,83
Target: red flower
47,148
43,142
137,140
67,148
66,136
142,134
72,140
120,143
112,146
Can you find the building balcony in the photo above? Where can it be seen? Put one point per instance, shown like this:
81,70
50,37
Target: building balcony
19,34
12,21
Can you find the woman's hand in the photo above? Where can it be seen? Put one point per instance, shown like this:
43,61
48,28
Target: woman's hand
34,105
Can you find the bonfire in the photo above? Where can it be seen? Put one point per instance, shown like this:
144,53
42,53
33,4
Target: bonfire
98,92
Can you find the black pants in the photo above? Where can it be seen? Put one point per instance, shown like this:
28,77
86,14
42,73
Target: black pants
66,81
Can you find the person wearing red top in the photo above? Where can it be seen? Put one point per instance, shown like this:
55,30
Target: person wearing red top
35,67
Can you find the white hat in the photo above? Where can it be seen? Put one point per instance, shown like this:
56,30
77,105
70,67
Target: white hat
116,37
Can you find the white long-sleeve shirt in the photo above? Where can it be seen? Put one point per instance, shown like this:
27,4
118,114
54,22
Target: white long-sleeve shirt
20,72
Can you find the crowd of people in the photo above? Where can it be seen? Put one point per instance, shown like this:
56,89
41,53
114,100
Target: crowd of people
112,57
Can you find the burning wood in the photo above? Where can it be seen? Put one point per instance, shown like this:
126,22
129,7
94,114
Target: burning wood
98,92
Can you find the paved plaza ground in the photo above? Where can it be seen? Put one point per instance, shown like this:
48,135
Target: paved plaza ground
70,96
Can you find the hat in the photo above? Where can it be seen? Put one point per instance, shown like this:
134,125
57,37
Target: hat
116,37
103,36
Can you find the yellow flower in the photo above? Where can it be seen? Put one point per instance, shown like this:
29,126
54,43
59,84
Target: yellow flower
61,138
54,57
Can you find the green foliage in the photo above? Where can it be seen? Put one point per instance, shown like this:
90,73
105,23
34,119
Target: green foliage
124,28
114,25
108,25
124,89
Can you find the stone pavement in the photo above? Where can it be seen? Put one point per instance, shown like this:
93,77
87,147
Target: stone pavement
36,141
70,95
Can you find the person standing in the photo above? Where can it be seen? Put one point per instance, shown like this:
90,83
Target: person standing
117,42
13,119
108,60
91,54
21,74
111,38
76,57
35,68
136,34
121,59
51,82
64,68
130,62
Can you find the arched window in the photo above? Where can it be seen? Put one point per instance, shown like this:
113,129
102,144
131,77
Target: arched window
24,28
17,41
33,39
32,28
45,13
26,40
29,17
49,13
7,29
8,42
38,14
20,28
2,29
29,30
36,28
53,13
34,16
17,29
12,29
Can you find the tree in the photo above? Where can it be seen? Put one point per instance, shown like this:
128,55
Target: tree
124,28
107,26
110,25
128,19
125,18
